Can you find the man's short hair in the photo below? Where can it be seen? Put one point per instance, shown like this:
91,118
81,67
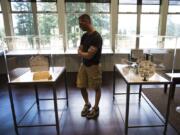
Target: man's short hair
85,17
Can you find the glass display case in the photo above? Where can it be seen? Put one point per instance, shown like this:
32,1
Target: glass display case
33,58
162,51
33,61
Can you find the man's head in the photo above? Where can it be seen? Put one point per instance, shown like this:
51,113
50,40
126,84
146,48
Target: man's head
85,22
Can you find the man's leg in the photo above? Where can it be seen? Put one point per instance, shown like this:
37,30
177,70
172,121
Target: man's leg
97,97
95,110
85,95
87,105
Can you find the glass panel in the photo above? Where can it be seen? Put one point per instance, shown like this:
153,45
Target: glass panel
124,43
130,2
174,8
2,32
75,7
158,42
127,8
151,2
170,42
172,28
34,44
127,24
174,2
147,42
149,27
21,6
101,23
23,24
46,44
46,6
15,43
73,31
150,8
173,25
99,7
48,24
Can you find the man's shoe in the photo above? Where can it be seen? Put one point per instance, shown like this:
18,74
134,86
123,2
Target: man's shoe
85,110
94,113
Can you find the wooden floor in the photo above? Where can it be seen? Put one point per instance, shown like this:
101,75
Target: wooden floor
109,122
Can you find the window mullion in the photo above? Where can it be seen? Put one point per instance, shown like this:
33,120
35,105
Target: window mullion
88,8
114,22
163,17
34,12
139,9
62,22
5,5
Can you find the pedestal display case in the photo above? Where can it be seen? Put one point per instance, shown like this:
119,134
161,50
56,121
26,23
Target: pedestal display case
152,60
32,61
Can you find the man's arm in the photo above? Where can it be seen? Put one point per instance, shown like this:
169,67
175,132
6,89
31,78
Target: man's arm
87,55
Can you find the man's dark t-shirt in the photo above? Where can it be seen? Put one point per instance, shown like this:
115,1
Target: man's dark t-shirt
94,39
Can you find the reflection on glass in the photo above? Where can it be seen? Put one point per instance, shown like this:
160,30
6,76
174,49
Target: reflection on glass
46,6
127,24
23,24
48,24
21,6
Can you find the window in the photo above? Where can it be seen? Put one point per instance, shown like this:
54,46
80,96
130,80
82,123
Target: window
173,21
73,11
101,20
22,18
149,23
2,32
127,23
47,18
100,14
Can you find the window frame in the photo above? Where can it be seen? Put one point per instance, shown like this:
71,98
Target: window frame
88,11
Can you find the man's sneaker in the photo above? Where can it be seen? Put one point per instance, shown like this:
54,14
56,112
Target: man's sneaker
85,110
94,113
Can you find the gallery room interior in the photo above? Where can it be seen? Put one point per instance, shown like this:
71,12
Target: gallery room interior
123,52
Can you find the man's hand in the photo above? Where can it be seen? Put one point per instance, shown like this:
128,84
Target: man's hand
87,55
79,52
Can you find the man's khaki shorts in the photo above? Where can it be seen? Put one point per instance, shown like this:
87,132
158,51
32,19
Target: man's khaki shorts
89,77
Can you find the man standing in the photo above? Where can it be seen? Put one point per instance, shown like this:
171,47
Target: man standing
89,74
